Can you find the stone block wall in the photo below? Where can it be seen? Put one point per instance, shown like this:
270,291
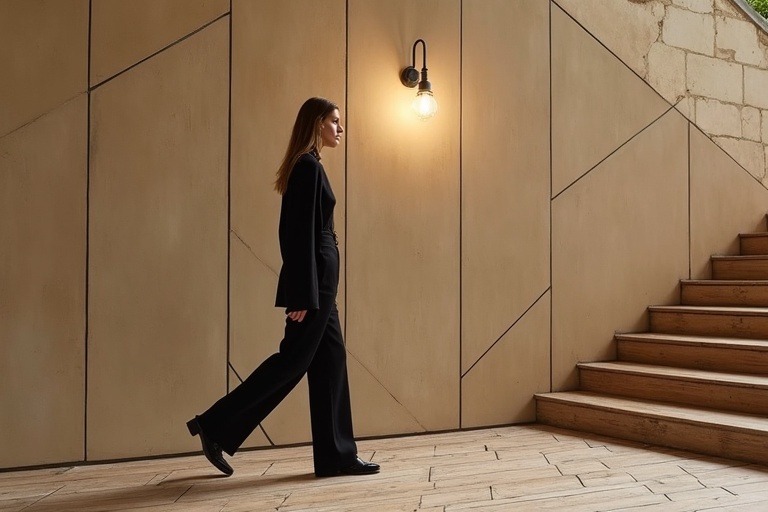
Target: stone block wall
707,57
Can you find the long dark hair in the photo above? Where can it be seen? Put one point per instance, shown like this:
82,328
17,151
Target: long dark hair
305,137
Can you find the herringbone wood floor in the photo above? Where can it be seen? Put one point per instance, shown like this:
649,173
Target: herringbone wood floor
520,468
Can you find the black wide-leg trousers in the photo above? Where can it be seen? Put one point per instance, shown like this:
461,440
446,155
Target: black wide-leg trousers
314,347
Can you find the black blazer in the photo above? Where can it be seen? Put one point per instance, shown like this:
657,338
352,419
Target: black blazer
307,209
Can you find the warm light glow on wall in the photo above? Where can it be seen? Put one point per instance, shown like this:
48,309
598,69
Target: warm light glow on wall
424,105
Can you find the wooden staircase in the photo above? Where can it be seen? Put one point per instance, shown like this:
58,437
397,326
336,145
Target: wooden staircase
698,380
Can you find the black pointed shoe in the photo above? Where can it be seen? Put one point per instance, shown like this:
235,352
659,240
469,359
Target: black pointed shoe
359,467
211,450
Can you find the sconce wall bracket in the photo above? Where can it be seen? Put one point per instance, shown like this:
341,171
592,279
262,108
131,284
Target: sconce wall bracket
409,76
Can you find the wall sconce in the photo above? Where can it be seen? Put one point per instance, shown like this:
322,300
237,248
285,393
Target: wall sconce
424,105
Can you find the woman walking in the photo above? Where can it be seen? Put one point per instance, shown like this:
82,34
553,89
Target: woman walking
307,287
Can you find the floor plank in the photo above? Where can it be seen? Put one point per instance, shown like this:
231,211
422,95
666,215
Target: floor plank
519,468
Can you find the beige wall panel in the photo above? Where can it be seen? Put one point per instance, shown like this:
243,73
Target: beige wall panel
123,32
725,201
375,411
403,203
158,259
261,127
505,167
42,288
499,389
597,102
256,329
619,244
628,28
268,87
44,58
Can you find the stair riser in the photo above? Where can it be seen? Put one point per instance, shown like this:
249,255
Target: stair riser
730,326
700,438
686,392
719,359
753,245
745,269
724,295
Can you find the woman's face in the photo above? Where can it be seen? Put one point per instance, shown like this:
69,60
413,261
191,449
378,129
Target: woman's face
331,129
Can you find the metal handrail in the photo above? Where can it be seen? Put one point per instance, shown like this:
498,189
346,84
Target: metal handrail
752,14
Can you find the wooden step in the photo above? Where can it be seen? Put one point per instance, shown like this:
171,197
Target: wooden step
724,293
728,322
703,353
753,243
702,388
722,434
740,267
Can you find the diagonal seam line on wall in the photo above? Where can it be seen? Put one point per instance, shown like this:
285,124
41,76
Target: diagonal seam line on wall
158,52
609,155
610,51
651,87
47,112
727,153
231,367
387,390
505,332
251,251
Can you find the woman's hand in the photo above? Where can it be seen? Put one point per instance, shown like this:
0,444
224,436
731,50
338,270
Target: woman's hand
297,316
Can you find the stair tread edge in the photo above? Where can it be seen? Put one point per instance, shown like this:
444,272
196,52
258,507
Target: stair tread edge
683,339
671,412
722,378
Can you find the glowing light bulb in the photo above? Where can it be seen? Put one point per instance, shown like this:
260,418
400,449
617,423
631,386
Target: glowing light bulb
425,105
